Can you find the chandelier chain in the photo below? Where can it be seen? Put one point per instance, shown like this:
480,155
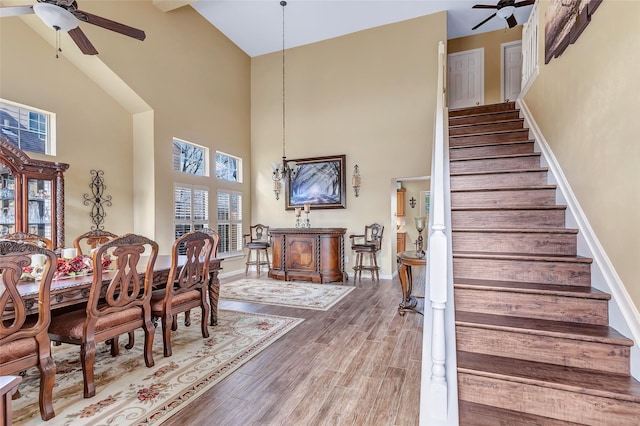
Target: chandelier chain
283,4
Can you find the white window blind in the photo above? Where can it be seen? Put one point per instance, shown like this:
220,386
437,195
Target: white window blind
230,222
191,208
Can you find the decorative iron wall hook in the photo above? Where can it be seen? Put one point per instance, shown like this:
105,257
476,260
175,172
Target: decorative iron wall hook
98,199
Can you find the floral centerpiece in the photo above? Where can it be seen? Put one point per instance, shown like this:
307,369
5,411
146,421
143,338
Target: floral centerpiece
79,265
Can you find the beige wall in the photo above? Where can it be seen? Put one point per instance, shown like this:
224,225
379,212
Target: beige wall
587,105
93,130
413,188
194,80
369,95
491,42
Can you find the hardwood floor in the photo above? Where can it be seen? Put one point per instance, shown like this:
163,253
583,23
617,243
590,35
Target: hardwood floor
356,364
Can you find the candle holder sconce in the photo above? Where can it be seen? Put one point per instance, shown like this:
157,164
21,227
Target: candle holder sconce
97,199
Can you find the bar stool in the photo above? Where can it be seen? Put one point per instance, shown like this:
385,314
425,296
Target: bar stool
257,241
368,243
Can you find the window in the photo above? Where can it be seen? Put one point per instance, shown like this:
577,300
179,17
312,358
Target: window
191,209
190,158
228,167
230,223
27,128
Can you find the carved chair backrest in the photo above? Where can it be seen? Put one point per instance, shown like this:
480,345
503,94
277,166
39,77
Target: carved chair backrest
92,239
126,288
193,274
30,238
14,256
258,233
373,234
216,240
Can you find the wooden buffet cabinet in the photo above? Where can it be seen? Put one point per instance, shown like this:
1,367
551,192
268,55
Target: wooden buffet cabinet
312,254
31,194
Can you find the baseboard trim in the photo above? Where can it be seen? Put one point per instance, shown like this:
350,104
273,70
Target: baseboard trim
610,280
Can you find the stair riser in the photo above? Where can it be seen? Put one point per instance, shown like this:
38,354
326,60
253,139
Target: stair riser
495,164
485,128
562,273
512,136
498,180
515,242
567,352
507,218
491,150
506,106
486,118
549,402
580,310
528,197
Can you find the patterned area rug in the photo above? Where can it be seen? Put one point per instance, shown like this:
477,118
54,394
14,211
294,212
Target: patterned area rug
129,393
320,297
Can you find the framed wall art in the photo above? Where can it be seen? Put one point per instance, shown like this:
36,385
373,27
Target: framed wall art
319,182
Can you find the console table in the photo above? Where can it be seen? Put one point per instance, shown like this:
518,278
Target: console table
312,254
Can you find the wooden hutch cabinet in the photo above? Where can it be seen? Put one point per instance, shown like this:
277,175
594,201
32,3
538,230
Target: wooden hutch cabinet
400,198
31,195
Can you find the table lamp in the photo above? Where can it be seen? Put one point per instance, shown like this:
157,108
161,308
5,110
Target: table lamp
420,223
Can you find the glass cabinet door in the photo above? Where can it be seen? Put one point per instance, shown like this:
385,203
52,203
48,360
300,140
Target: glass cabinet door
39,211
7,202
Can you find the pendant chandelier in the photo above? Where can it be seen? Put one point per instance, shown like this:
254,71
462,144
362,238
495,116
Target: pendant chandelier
286,169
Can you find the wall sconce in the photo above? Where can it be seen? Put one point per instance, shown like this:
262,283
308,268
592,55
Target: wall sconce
355,181
412,202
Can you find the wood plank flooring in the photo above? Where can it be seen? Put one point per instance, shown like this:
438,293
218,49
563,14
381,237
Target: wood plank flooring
356,364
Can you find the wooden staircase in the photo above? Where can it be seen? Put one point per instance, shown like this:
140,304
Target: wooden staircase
533,342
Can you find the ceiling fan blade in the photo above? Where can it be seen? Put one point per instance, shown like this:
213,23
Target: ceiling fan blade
82,41
483,22
15,11
110,25
484,6
525,3
511,20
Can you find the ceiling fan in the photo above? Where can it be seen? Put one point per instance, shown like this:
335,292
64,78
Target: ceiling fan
64,15
505,9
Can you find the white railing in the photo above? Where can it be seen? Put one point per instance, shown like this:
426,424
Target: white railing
438,397
530,49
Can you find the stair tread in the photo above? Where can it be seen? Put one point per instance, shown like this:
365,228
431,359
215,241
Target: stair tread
536,288
495,157
519,230
604,384
576,331
486,123
492,132
511,106
522,256
500,172
490,144
485,415
507,188
524,207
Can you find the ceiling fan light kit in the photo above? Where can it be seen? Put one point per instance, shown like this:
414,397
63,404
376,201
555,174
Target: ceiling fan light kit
55,17
505,12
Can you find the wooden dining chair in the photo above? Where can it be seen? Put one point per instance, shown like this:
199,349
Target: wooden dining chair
30,238
186,285
257,242
24,341
92,239
117,304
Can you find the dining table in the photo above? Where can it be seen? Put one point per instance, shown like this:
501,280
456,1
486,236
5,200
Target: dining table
73,290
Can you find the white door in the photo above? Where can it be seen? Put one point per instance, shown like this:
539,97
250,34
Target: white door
465,79
511,61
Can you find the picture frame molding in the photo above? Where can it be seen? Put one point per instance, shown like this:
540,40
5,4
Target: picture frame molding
341,203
